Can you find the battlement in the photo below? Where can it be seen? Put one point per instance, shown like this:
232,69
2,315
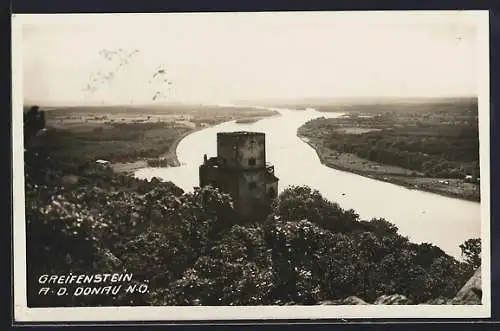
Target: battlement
240,133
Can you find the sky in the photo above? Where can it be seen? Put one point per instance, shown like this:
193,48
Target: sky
219,58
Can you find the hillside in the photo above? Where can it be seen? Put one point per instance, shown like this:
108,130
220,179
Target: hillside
83,218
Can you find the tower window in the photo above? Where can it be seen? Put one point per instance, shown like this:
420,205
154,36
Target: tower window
251,161
252,185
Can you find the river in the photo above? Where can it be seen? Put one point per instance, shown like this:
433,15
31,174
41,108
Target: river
423,217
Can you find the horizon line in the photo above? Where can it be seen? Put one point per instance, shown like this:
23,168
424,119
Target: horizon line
251,100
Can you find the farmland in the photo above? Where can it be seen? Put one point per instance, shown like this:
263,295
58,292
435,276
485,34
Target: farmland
130,136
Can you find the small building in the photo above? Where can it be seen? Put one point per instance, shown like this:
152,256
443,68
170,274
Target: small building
240,169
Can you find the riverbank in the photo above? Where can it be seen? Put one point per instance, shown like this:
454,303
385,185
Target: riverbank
171,154
454,188
128,168
168,159
431,146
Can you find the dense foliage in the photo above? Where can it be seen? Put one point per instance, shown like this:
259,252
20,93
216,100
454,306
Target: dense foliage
471,252
190,249
452,153
436,142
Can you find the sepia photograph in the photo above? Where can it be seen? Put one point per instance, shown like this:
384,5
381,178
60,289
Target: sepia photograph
251,166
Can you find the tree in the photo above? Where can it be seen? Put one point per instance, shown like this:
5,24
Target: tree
60,241
298,203
471,252
34,121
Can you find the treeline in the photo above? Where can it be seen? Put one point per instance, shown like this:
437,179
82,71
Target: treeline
434,150
191,249
160,162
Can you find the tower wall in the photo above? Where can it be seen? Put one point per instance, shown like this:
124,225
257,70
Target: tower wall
251,196
209,175
252,184
242,150
240,170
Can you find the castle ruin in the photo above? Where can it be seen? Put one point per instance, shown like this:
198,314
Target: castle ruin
240,169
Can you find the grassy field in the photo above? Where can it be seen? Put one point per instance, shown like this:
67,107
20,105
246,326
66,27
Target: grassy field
428,146
132,137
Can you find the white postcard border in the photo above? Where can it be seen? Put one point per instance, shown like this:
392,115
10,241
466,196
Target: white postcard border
24,314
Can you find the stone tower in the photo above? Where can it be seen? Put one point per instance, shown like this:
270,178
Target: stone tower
240,169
